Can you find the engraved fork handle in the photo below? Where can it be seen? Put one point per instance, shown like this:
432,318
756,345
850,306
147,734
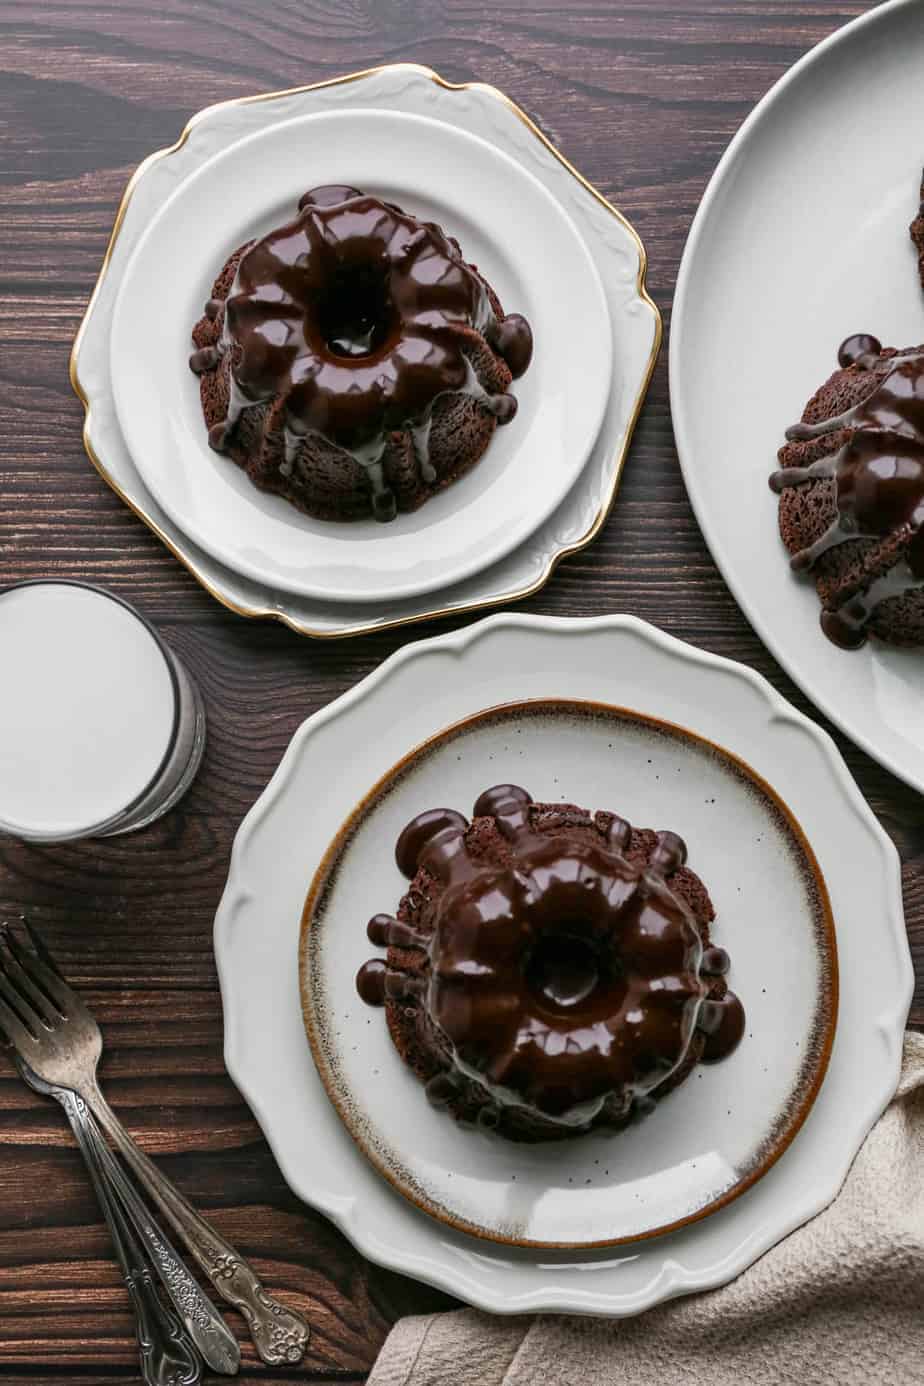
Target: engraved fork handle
203,1323
279,1334
168,1357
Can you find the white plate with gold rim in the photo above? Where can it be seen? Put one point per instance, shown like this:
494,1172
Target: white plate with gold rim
610,241
801,240
507,223
415,694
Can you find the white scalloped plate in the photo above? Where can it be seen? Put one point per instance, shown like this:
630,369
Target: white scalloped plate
610,241
424,688
800,240
508,224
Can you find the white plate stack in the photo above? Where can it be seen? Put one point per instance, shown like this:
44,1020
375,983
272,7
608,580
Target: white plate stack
554,249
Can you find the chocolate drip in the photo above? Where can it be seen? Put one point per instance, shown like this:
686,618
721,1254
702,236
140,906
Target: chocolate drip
722,1022
860,349
879,476
619,832
569,979
388,932
360,317
513,340
370,982
426,830
716,962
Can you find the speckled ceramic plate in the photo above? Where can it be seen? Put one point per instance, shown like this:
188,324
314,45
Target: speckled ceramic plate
721,1129
414,695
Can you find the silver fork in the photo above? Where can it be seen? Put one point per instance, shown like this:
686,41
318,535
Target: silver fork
168,1357
206,1328
61,1043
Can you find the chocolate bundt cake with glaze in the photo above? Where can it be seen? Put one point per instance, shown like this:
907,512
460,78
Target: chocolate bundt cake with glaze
851,488
352,361
549,971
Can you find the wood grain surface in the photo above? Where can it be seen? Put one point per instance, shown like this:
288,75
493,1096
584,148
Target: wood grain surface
643,95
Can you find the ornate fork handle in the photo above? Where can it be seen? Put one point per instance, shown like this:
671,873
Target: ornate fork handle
168,1357
203,1323
279,1334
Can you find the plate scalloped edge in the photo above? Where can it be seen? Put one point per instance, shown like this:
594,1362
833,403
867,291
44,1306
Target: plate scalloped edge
548,547
670,1279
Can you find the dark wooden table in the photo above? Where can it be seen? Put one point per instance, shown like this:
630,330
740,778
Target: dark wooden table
643,95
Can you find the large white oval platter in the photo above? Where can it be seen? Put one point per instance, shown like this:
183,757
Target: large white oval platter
424,688
507,223
802,239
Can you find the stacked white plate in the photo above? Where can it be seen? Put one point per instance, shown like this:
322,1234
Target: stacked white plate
630,720
554,249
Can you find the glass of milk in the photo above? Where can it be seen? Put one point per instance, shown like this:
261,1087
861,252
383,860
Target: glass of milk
101,727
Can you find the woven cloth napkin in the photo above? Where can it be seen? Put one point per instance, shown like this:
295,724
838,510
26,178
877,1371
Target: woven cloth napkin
840,1302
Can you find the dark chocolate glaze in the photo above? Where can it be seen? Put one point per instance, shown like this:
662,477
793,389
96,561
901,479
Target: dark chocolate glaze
360,317
722,1022
370,982
716,962
567,978
879,474
860,347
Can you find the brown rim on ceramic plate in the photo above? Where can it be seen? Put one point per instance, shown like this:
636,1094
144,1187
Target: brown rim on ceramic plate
817,1051
270,612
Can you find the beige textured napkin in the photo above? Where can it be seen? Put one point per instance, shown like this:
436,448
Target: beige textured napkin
840,1302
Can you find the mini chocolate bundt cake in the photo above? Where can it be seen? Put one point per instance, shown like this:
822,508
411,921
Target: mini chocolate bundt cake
851,488
352,361
549,970
917,235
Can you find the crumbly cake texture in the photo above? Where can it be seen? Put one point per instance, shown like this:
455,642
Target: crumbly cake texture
416,1039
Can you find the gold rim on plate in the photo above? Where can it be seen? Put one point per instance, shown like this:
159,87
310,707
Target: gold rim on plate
273,613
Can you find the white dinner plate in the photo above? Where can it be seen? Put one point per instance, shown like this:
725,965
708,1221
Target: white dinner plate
801,240
617,252
507,223
419,691
727,1123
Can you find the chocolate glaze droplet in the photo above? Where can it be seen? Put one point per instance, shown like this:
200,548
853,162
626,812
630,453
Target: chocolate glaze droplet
421,832
619,832
378,928
513,340
370,982
722,1022
670,853
853,349
716,962
500,799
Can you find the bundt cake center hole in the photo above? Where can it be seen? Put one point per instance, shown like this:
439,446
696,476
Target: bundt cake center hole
563,969
355,315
